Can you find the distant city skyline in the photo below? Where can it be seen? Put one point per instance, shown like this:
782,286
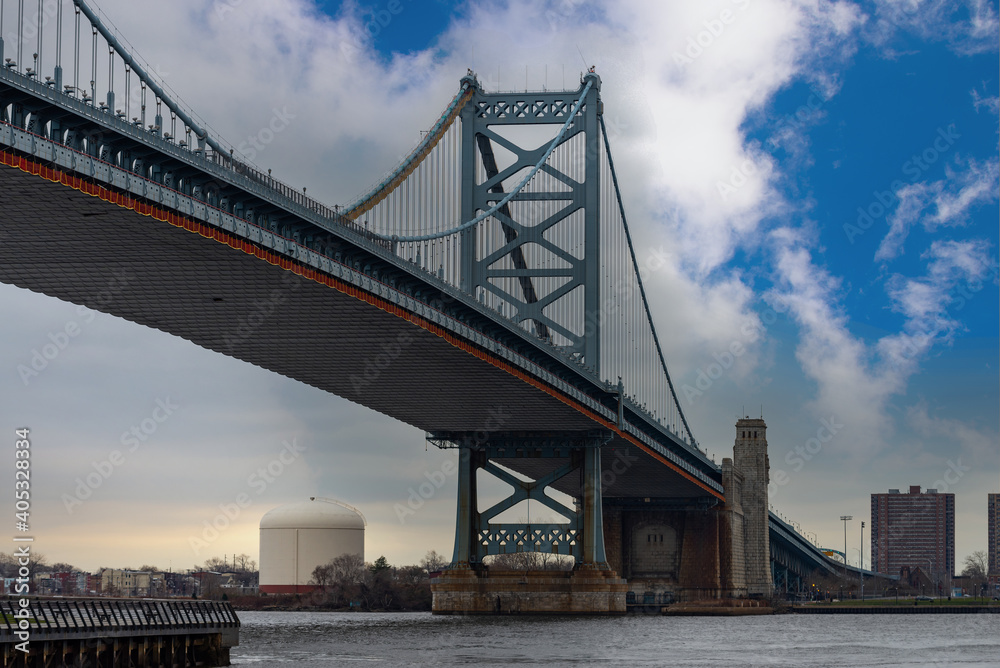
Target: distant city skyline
818,181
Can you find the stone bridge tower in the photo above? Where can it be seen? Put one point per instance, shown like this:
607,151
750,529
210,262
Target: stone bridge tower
750,459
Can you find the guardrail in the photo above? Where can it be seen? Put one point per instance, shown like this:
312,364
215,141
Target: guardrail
212,163
115,633
69,617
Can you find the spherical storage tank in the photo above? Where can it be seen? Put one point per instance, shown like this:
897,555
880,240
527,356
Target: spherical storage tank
298,537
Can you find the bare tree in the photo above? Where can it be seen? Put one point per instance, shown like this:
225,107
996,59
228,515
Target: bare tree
243,563
8,565
11,568
975,565
322,576
433,562
531,561
347,569
216,564
975,568
210,585
411,575
62,567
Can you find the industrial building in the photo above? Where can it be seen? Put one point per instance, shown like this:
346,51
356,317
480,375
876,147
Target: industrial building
298,537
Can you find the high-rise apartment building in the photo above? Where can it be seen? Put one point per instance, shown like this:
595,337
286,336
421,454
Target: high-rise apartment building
914,530
993,535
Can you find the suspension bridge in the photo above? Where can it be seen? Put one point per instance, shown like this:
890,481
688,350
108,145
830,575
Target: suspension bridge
486,291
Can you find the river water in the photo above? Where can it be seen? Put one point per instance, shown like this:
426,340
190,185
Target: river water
322,639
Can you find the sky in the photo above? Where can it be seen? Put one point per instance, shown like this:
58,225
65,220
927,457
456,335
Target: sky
821,177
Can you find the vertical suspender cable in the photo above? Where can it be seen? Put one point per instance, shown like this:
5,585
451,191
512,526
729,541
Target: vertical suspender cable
59,14
38,51
93,67
76,55
20,34
688,436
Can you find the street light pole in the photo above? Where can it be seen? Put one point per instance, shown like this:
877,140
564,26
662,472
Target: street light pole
844,519
861,566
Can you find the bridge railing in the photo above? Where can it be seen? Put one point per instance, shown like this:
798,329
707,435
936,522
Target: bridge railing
57,30
297,198
101,615
243,175
283,189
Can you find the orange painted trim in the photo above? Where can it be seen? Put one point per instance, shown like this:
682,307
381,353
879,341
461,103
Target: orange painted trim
127,201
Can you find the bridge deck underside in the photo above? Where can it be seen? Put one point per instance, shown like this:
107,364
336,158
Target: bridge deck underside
70,245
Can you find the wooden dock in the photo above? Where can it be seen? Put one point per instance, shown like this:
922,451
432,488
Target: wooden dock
116,633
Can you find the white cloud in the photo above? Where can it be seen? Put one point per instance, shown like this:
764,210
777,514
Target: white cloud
913,199
855,379
978,184
990,102
953,198
701,87
926,302
967,27
839,363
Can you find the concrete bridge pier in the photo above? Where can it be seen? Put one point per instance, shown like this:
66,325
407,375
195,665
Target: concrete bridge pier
471,587
691,549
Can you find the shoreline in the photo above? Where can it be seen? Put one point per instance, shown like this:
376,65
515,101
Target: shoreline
894,609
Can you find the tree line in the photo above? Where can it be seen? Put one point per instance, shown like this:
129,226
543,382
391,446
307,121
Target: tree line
348,582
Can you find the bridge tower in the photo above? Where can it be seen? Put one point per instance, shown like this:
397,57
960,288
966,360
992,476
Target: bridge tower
532,252
750,458
526,263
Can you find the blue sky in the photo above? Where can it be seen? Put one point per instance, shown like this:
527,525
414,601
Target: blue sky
418,31
744,160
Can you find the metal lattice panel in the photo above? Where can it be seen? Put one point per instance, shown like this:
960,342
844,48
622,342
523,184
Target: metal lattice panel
550,538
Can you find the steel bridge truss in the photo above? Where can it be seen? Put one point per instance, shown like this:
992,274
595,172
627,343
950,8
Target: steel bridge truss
477,535
786,580
489,262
